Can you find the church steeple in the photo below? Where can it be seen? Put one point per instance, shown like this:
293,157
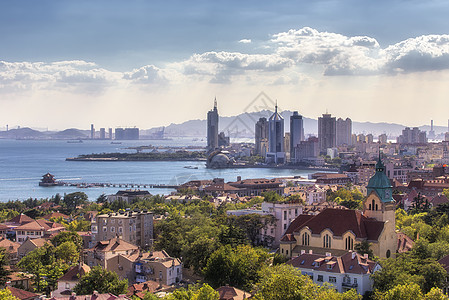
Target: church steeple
380,183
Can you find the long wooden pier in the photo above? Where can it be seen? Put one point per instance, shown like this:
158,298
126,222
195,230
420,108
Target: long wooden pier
118,185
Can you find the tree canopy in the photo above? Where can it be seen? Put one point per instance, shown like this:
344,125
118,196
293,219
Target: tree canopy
102,281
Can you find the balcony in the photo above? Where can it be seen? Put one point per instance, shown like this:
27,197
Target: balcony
349,285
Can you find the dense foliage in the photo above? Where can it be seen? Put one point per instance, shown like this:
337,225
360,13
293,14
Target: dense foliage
102,281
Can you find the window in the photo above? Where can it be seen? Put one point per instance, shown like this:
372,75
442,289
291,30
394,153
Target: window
67,286
332,279
388,254
112,229
305,239
355,280
285,226
112,221
286,252
349,243
105,229
326,241
320,278
120,229
285,215
282,250
296,211
372,204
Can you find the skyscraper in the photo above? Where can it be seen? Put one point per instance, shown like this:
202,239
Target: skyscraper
261,136
212,128
92,131
344,132
326,132
276,152
102,133
296,133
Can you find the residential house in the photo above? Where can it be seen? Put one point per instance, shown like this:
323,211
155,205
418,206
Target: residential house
134,227
70,279
22,294
11,248
94,296
30,245
104,250
232,293
37,229
348,271
129,196
140,289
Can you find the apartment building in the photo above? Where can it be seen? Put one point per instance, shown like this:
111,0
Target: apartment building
135,227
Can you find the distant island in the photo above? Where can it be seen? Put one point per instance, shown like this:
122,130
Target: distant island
181,155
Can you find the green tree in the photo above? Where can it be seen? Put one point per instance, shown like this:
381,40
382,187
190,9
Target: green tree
72,200
102,198
364,247
5,294
3,263
68,236
237,267
405,291
67,253
102,281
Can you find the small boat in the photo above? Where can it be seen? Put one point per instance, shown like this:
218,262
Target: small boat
75,141
116,143
191,167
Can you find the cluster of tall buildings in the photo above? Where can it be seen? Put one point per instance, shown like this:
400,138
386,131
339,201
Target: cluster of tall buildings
413,136
120,133
273,144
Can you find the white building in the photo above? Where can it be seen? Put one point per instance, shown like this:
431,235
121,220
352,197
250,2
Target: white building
349,271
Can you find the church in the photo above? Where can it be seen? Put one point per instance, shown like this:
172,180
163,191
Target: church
337,231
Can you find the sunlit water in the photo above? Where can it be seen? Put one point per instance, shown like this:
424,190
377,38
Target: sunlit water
23,162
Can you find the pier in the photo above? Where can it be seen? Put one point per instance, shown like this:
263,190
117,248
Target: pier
118,185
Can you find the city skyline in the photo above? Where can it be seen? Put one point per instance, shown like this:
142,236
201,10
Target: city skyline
152,64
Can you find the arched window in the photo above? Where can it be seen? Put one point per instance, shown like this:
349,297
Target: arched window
373,204
349,243
376,206
326,241
305,239
388,254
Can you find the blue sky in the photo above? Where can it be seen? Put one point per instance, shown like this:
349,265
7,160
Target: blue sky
367,56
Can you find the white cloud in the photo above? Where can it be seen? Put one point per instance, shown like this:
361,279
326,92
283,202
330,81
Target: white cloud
245,41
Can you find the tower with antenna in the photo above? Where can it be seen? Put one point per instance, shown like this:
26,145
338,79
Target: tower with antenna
431,132
212,128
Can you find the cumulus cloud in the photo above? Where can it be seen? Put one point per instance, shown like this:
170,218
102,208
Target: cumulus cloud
146,74
223,65
245,41
76,76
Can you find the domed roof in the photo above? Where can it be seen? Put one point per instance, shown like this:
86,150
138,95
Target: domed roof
218,160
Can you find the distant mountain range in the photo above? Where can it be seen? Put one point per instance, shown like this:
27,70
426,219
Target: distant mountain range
243,126
240,126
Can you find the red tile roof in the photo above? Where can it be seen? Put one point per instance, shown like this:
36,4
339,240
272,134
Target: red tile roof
231,293
21,294
340,221
108,296
75,273
114,244
10,246
404,243
20,219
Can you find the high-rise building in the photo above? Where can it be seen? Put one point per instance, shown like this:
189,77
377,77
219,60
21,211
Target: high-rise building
127,133
92,131
102,133
431,132
110,133
306,150
276,153
212,128
412,136
327,137
261,137
296,133
369,138
344,132
383,138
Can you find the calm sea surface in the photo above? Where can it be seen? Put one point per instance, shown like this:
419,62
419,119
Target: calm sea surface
23,162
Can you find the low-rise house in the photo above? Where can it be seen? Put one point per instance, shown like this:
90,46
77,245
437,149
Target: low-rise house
70,279
444,262
159,266
56,215
22,294
11,248
30,245
140,289
232,293
129,196
19,280
94,296
349,271
104,250
37,229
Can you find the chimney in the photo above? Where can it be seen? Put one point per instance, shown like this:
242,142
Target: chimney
239,178
328,254
303,251
310,252
353,255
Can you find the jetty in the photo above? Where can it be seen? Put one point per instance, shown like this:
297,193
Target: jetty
118,185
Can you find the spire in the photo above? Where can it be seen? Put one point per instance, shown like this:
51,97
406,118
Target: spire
215,102
276,107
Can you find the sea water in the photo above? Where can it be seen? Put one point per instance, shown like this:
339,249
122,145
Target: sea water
23,162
